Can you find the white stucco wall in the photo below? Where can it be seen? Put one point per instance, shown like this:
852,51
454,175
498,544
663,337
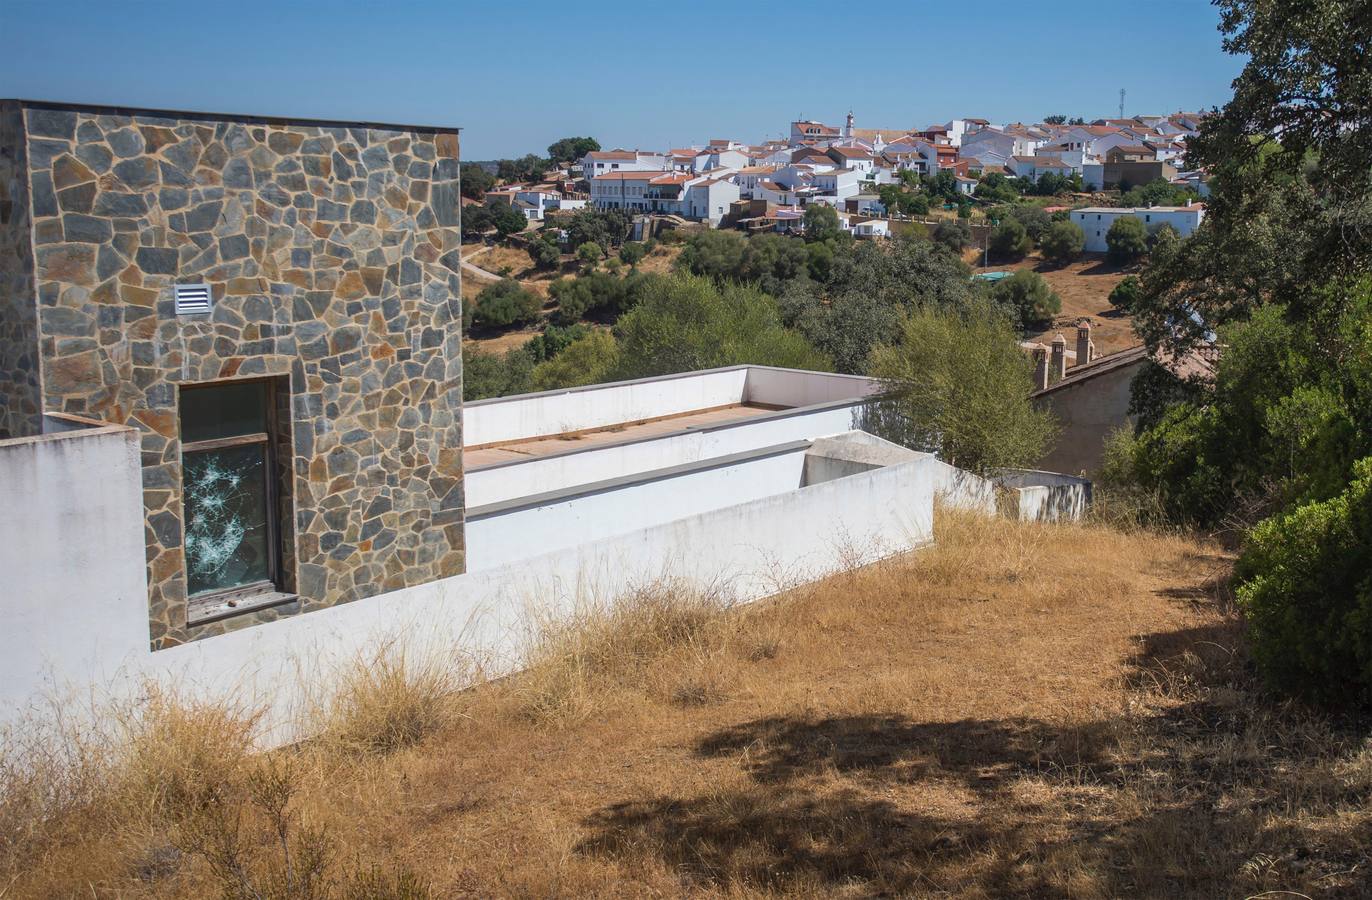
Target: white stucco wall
73,586
507,481
793,387
544,523
598,406
78,623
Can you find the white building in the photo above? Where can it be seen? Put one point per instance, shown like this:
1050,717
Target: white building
872,228
837,185
747,479
603,162
1095,221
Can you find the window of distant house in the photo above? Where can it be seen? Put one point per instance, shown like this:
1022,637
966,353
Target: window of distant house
228,487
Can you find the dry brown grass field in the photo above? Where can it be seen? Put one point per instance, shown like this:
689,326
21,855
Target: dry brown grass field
1020,710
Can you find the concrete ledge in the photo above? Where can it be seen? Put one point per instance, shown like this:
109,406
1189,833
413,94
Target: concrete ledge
613,484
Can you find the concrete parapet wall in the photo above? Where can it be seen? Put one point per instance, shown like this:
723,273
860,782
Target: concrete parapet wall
76,615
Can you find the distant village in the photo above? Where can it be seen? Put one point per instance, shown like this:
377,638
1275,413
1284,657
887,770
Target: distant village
729,184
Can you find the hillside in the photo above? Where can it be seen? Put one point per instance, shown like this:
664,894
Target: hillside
1084,287
1021,710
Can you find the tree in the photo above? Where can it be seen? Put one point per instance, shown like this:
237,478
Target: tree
995,187
1057,119
590,253
943,184
821,223
1158,192
1051,184
494,374
607,227
476,181
684,323
476,221
588,360
544,253
1062,243
869,287
632,252
505,303
506,219
1126,240
956,236
571,149
1125,295
1306,592
1028,297
529,167
1009,240
958,385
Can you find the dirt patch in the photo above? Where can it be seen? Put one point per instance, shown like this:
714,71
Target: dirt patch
1084,287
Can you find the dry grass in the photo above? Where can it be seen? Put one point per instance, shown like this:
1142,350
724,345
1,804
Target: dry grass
1020,711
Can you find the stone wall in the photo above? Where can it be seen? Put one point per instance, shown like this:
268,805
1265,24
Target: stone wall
20,413
332,253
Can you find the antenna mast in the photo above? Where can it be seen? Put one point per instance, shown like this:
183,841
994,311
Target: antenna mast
1121,103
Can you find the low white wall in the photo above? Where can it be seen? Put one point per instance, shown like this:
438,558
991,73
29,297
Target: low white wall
795,387
73,585
598,406
1046,496
508,481
81,629
543,523
962,490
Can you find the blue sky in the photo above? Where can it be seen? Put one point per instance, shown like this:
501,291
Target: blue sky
516,76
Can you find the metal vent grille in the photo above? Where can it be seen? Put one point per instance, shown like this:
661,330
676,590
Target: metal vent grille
192,299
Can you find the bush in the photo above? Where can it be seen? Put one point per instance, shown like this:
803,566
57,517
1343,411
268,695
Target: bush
1126,240
956,236
1062,242
1126,294
544,253
1010,240
506,219
685,323
590,253
632,253
495,374
505,303
588,360
958,385
1027,296
1306,588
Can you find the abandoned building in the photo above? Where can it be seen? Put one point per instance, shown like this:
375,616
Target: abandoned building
230,396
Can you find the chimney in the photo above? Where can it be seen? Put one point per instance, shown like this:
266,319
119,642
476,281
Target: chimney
1059,366
1040,367
1086,351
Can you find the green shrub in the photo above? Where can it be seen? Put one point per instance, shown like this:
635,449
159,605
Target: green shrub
1126,240
1306,588
956,236
632,253
544,253
1126,294
1027,296
1010,240
1062,242
505,303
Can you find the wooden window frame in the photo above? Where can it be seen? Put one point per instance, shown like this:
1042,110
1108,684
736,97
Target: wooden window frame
222,602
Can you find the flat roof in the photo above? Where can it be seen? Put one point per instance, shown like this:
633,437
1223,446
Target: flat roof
121,110
550,445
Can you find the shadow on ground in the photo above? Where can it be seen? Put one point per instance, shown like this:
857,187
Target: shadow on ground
1177,800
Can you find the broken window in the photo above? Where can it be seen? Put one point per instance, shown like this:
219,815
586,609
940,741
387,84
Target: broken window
227,487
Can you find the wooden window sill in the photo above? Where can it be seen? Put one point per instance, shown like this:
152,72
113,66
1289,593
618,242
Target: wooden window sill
204,610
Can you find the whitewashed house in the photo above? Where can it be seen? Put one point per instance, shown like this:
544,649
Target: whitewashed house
836,185
1095,221
604,162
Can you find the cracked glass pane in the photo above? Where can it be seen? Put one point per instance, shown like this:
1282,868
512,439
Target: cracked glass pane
226,517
